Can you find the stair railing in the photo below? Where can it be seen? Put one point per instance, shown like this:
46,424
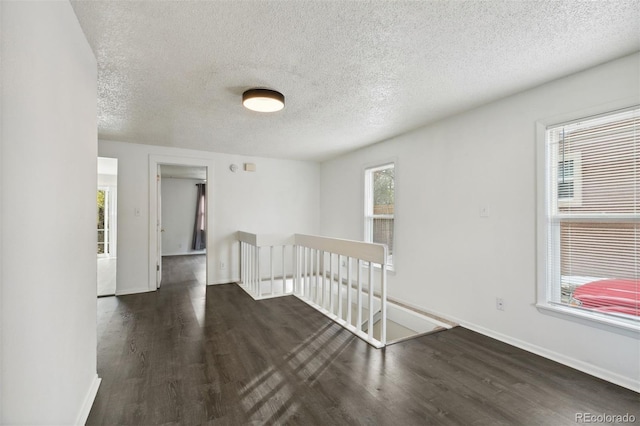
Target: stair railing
337,277
257,252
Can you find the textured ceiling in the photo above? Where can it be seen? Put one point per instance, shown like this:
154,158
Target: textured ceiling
353,72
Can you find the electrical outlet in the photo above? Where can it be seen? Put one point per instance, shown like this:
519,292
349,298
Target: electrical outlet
223,265
499,304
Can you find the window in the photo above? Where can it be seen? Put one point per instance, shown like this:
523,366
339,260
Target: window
592,220
569,178
103,199
565,179
379,214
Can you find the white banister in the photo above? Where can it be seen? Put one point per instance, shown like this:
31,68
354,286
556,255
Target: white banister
370,252
342,287
312,277
258,268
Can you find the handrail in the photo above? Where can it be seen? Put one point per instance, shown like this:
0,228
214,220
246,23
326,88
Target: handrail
246,237
265,240
369,252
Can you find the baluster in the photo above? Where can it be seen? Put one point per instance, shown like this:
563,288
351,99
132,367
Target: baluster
249,267
317,301
311,278
322,280
306,272
271,266
252,268
359,296
370,301
250,257
252,280
284,275
331,304
340,285
383,304
258,275
296,269
349,289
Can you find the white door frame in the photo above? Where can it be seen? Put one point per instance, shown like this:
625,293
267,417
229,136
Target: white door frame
154,162
159,228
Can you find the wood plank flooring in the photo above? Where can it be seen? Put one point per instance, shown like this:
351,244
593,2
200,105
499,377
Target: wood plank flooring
190,355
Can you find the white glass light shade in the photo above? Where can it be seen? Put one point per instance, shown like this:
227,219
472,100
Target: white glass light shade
263,100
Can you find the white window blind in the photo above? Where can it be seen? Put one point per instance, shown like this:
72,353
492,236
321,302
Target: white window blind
593,218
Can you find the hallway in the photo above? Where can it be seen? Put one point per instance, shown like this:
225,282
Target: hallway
184,269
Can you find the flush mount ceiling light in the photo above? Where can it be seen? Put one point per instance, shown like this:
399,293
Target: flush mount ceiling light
263,100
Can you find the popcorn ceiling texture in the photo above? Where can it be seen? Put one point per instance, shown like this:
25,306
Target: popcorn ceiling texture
353,73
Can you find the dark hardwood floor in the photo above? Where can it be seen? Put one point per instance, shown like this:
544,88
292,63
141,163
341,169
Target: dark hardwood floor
189,354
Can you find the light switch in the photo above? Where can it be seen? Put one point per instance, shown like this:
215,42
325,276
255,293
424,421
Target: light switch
484,211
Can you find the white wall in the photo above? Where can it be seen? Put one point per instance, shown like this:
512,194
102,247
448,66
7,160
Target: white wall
280,197
178,215
1,209
451,261
48,170
108,180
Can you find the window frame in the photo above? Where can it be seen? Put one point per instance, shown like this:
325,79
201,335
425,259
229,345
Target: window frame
544,278
369,216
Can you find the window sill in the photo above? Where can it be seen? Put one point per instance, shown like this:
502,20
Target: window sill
591,318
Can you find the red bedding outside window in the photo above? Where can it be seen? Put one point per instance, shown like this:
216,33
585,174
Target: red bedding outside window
615,296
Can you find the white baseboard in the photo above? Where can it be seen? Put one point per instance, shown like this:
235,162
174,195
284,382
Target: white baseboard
225,281
83,415
133,291
593,370
187,253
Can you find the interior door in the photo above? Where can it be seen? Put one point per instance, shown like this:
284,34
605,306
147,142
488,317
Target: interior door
159,229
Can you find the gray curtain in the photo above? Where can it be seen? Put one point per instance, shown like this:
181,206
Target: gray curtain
199,231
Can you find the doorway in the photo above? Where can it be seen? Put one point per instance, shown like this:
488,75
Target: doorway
176,168
107,225
182,214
